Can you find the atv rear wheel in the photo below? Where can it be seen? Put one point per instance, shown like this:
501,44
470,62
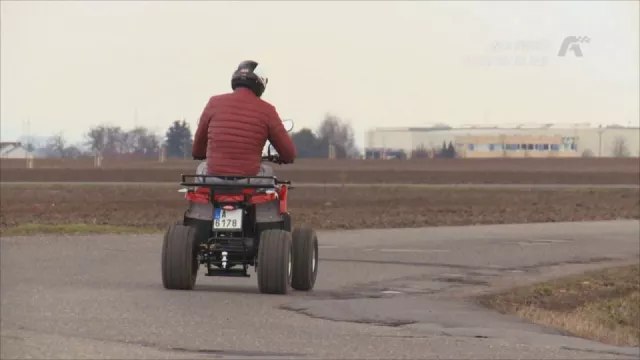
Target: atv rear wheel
305,259
274,262
179,257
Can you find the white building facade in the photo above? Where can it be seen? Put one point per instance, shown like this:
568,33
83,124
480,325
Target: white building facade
13,150
586,140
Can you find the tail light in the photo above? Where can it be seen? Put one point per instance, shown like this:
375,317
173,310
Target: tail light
228,207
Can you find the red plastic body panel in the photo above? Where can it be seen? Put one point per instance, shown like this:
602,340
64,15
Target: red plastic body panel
201,196
282,194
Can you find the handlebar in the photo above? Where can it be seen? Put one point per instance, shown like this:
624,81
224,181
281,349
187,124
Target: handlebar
272,158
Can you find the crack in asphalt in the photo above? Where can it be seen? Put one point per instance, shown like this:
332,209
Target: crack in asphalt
603,352
461,280
387,323
432,336
525,268
541,265
410,263
344,295
220,353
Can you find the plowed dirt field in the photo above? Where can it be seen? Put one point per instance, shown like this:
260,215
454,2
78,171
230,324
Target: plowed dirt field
436,171
156,206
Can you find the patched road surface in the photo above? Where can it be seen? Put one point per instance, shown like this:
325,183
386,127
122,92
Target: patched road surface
380,294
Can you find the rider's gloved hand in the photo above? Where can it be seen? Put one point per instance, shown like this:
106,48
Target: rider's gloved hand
276,159
284,162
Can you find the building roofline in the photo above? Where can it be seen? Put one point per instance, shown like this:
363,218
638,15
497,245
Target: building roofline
7,148
505,127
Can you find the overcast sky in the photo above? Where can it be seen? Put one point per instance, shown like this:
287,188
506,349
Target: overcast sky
69,65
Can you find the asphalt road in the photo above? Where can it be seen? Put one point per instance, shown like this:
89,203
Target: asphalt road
385,294
425,186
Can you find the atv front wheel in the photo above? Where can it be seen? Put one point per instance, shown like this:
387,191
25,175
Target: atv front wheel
179,257
274,262
305,259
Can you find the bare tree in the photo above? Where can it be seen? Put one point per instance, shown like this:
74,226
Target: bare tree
339,133
56,145
140,141
105,139
620,147
111,140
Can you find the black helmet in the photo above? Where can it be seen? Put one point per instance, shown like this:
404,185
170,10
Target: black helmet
249,75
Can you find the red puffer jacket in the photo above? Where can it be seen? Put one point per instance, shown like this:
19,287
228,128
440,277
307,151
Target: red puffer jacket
233,130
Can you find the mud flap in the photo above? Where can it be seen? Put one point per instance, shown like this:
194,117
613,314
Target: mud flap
199,211
268,212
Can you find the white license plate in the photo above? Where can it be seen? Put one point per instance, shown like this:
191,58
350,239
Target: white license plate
227,219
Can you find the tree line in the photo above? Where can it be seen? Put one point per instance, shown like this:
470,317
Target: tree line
333,136
333,133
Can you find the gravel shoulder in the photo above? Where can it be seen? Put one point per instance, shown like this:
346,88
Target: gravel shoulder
602,305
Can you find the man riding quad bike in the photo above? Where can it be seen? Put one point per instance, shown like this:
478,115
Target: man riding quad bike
237,214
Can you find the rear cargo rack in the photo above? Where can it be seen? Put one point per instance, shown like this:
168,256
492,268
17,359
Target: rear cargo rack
222,185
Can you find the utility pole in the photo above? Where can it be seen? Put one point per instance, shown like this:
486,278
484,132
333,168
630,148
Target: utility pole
162,153
332,151
100,152
184,149
27,144
600,131
29,131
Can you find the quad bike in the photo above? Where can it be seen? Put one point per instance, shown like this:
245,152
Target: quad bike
248,225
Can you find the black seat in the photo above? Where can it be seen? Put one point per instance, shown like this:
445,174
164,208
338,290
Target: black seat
229,184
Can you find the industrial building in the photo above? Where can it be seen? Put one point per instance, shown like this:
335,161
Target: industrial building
519,140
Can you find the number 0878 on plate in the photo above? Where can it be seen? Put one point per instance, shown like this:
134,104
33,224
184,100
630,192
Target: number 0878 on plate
227,219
